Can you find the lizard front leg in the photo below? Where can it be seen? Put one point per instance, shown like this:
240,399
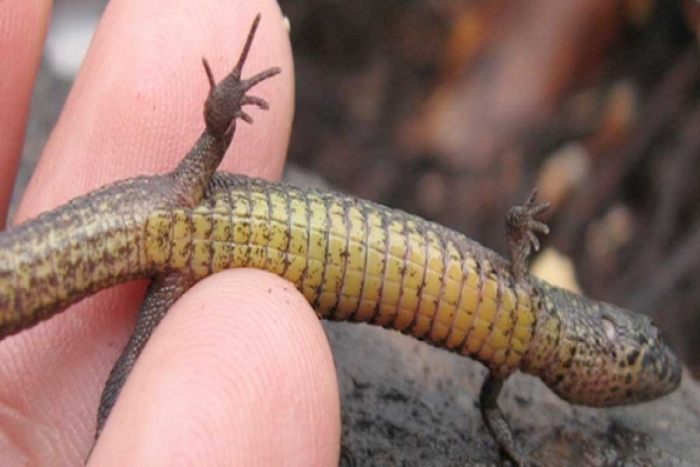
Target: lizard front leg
496,422
521,229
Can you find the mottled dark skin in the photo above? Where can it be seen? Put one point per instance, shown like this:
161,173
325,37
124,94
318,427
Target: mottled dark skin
588,352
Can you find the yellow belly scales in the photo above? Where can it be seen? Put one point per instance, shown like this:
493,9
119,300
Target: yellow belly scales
353,260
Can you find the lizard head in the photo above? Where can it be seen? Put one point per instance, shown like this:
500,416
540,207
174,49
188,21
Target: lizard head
596,354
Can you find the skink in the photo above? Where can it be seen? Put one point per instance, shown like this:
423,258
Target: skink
352,259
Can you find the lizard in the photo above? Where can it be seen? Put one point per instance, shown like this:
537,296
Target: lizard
352,259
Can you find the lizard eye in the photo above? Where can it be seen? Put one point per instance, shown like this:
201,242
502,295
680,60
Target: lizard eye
609,328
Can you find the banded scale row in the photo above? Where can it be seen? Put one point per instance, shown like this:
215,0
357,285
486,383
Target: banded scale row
353,260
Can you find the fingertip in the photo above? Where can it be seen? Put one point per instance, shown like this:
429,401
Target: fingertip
239,373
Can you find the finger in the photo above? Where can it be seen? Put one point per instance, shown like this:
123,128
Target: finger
238,373
23,27
136,108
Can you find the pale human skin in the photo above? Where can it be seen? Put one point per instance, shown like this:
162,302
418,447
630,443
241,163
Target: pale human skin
240,371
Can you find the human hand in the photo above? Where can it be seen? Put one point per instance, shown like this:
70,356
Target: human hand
239,372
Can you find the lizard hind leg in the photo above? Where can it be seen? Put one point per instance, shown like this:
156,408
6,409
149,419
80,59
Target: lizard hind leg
162,293
224,104
222,108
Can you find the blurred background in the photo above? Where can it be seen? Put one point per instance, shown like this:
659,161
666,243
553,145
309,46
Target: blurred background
455,110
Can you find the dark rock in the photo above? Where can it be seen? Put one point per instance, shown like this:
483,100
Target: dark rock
405,403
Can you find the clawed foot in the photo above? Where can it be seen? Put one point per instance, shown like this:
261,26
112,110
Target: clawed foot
225,102
522,227
521,222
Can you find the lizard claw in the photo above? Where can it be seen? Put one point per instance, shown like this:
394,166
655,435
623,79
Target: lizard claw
534,241
252,100
225,100
536,209
245,117
522,227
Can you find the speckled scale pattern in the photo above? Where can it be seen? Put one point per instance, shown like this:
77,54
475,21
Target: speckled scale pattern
64,255
354,260
93,242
